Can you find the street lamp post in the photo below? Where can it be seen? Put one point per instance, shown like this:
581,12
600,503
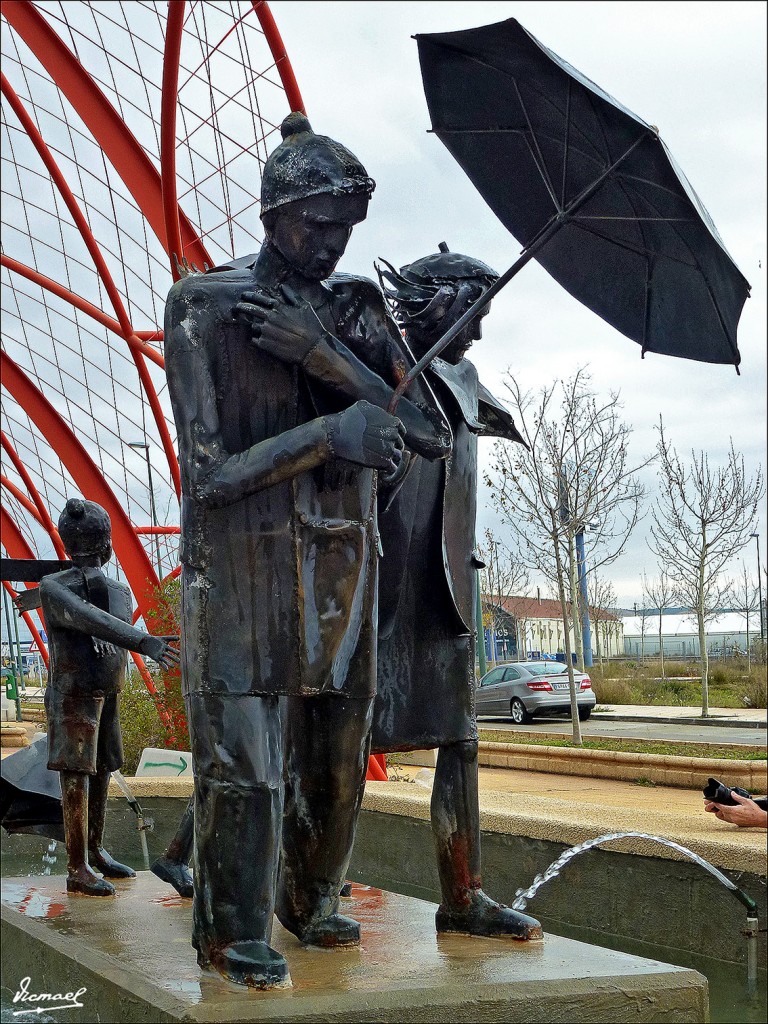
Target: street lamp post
153,511
759,587
586,630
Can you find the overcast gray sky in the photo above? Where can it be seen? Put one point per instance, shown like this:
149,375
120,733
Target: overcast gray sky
696,70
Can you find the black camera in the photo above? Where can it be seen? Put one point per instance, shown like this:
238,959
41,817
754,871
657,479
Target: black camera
719,793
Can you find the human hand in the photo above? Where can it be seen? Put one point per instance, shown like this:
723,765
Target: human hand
159,649
745,813
285,326
367,435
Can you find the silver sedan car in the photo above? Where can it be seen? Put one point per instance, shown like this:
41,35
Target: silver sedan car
529,688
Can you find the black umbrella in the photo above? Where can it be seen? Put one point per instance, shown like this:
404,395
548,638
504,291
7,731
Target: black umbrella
30,794
587,187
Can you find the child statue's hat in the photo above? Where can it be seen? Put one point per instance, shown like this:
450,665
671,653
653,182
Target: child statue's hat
305,164
84,526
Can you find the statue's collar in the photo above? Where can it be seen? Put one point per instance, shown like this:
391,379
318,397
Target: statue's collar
461,380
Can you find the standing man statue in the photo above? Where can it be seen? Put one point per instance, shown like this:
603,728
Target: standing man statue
281,430
88,618
426,658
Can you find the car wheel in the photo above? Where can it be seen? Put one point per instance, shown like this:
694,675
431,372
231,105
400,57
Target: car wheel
584,714
519,715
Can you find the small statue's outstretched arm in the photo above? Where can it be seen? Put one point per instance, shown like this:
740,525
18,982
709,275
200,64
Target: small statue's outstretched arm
62,607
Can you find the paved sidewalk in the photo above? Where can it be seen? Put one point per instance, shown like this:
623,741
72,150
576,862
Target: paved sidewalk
568,809
743,718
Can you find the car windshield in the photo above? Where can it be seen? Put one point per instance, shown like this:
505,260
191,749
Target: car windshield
544,669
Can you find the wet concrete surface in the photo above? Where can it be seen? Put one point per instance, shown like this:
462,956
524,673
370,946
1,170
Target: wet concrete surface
134,952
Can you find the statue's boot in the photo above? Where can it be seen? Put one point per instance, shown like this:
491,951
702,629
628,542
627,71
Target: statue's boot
481,915
455,809
86,882
74,804
172,867
331,931
249,963
98,857
326,758
236,746
175,874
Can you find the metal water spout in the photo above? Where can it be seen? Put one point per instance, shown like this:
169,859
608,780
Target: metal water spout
751,931
143,824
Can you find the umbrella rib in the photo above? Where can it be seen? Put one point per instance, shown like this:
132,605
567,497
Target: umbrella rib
600,125
542,95
567,141
653,184
636,220
540,165
650,266
632,247
498,130
705,279
696,263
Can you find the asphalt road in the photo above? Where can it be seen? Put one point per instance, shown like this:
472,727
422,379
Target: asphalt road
677,733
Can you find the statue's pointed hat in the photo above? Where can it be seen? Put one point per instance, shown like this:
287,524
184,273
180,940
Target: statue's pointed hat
306,164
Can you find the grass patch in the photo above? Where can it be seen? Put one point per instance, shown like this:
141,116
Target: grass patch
708,750
731,685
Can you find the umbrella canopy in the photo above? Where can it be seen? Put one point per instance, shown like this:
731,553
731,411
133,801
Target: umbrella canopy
587,186
30,794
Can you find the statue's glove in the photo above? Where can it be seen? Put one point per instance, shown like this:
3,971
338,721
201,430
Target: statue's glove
367,435
159,649
285,326
390,483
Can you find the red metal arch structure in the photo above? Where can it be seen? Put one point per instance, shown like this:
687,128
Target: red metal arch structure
133,132
72,346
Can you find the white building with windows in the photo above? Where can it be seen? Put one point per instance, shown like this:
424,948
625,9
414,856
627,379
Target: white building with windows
525,627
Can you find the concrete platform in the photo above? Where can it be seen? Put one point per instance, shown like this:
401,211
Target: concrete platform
132,954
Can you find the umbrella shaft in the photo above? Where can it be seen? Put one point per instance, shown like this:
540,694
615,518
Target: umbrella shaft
554,225
471,313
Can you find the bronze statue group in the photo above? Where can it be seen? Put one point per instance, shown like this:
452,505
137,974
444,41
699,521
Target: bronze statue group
328,576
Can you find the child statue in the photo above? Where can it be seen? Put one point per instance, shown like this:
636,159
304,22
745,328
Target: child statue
88,618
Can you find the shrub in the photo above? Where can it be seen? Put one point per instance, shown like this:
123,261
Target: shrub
140,722
681,668
613,691
672,692
753,690
155,721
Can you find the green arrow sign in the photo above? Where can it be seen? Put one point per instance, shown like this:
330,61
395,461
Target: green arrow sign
168,764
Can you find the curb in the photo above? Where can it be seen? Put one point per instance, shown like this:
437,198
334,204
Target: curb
727,723
661,769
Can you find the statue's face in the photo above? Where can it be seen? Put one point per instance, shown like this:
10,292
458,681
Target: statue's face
461,344
312,234
97,545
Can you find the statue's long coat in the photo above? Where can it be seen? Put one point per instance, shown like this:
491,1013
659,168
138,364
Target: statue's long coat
279,558
427,596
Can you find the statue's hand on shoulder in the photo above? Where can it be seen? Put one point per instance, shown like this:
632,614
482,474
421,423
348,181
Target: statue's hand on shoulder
159,649
286,326
367,435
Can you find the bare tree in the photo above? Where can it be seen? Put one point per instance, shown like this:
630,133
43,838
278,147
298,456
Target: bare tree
504,575
702,519
745,600
660,594
574,473
602,599
643,616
